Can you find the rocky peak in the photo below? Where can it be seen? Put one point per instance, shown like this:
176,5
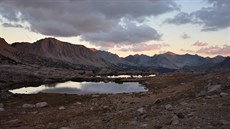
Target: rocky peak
170,53
3,41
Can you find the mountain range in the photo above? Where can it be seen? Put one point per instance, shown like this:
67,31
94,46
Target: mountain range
54,53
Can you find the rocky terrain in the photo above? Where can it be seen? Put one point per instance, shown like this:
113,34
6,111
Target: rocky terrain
174,101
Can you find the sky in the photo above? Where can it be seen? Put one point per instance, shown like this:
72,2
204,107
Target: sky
123,27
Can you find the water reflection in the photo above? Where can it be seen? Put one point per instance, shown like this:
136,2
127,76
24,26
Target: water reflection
50,85
131,76
83,88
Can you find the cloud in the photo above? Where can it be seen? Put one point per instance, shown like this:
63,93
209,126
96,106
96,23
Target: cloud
181,18
200,44
211,18
185,36
145,47
215,50
12,25
187,51
129,34
91,20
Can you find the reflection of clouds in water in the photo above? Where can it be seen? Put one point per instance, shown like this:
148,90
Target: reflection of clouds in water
83,88
63,91
131,76
112,87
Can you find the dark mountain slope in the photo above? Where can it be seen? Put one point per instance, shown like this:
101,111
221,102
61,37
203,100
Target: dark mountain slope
63,51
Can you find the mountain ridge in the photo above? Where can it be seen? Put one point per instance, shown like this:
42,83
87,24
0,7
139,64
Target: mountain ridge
64,51
51,48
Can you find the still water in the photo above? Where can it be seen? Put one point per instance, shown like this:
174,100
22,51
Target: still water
131,76
83,88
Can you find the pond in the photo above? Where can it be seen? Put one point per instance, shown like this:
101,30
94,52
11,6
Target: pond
83,88
131,76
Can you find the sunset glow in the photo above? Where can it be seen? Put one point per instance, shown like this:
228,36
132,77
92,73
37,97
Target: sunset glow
121,27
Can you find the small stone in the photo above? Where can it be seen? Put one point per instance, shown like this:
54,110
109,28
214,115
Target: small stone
2,109
168,107
64,128
41,104
1,105
208,97
106,107
141,110
144,125
157,101
191,114
61,108
28,106
180,115
202,93
79,103
222,94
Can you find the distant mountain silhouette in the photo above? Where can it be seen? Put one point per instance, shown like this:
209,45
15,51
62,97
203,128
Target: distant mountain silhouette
224,64
172,61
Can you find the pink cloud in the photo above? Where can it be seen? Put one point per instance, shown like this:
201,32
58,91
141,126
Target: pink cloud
187,51
200,44
147,47
215,50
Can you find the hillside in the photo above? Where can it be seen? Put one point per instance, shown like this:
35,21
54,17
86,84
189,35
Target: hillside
110,57
8,54
224,64
63,51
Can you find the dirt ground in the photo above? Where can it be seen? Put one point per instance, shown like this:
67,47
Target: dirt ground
174,101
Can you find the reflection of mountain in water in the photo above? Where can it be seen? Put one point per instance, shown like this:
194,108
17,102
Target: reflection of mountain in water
51,85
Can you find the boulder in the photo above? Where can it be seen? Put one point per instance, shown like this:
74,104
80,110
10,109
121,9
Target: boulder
61,108
214,88
141,110
180,115
28,106
168,107
222,94
41,104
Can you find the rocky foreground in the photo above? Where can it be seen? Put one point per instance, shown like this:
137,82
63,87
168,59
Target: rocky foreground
174,101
